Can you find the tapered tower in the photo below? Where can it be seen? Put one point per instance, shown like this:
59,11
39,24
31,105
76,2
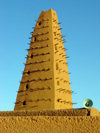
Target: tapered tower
45,82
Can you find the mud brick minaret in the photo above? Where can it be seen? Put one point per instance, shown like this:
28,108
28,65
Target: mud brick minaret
45,82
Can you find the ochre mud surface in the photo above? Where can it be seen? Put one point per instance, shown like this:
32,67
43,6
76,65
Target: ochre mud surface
50,121
61,112
66,112
45,83
50,124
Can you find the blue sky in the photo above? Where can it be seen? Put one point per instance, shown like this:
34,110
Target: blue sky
81,25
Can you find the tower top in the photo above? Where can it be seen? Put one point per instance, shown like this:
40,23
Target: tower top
49,10
45,82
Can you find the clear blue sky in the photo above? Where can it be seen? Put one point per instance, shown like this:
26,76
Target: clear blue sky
81,25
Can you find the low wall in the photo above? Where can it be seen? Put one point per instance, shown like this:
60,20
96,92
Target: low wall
59,112
50,122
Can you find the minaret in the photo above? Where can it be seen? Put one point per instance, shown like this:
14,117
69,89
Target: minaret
45,82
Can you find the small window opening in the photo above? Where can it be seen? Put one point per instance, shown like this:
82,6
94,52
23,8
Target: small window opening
28,72
31,55
24,102
40,23
27,86
35,39
88,114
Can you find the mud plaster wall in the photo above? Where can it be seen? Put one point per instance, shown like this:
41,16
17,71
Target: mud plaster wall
45,82
50,124
65,112
50,121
